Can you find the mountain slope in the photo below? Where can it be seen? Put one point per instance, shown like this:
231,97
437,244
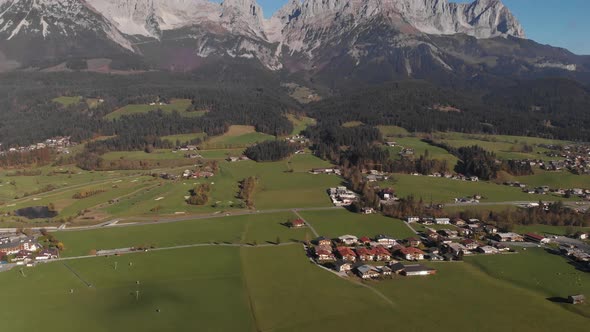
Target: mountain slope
38,30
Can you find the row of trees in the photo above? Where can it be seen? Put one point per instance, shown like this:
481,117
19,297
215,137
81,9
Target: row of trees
247,190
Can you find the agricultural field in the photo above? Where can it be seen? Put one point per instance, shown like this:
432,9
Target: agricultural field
335,223
242,229
549,276
420,148
179,105
393,131
236,137
200,292
505,147
562,179
254,285
160,154
441,190
183,138
352,124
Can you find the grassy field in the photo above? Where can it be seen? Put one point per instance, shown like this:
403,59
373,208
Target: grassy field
179,105
562,179
393,131
505,147
197,294
261,228
446,190
277,289
341,222
183,138
67,101
351,124
300,123
548,275
236,137
420,148
164,154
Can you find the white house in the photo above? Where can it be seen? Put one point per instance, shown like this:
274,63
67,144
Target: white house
348,239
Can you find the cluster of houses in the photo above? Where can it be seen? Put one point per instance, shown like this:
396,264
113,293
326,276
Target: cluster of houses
60,144
342,196
349,253
299,139
24,250
199,173
451,176
546,190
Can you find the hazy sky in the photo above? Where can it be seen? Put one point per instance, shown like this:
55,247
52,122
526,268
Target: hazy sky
563,23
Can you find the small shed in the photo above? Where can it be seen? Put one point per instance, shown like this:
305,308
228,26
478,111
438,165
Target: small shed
576,299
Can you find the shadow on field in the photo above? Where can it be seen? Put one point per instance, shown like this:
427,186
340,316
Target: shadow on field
557,299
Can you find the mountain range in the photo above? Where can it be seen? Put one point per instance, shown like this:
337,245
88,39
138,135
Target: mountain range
334,41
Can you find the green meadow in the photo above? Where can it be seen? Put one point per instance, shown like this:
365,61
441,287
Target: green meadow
244,229
236,137
335,223
178,105
441,190
278,289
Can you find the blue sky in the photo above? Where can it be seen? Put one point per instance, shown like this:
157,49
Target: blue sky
562,23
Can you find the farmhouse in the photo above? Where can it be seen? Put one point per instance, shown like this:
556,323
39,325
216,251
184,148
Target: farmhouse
531,237
385,240
488,250
367,272
418,270
412,219
442,221
413,242
47,254
324,255
412,254
298,223
457,248
365,254
323,241
470,244
508,237
576,299
348,240
382,254
342,266
346,254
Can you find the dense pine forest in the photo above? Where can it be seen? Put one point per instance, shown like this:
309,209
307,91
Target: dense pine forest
552,108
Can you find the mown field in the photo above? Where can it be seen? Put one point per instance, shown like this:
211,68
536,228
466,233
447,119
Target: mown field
446,190
420,148
277,289
335,223
236,137
179,105
245,229
183,138
505,147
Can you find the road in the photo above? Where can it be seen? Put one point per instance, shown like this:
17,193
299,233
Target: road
296,212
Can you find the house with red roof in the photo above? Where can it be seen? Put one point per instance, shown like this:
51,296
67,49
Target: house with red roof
381,254
365,254
412,254
364,240
346,254
298,223
324,255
